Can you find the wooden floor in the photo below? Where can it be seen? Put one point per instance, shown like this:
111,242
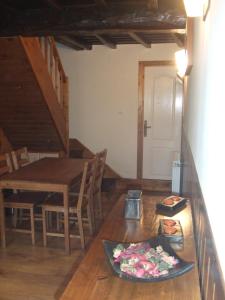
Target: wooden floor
38,273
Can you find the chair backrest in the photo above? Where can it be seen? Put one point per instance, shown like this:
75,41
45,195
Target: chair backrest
101,158
87,184
20,158
5,164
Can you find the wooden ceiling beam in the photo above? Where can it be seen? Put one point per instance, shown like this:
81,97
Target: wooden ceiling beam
75,43
30,22
152,4
179,39
101,3
130,30
8,8
66,43
105,41
140,40
54,4
95,32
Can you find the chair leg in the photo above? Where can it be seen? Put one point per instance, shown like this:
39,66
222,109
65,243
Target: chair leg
32,225
20,213
92,213
90,220
44,227
81,231
99,200
49,218
58,218
15,216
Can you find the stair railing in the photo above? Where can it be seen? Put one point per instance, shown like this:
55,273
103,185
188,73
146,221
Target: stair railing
56,71
57,74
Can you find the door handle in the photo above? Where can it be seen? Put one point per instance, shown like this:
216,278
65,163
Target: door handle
146,128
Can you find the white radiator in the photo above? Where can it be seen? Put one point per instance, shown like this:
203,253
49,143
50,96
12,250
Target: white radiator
176,171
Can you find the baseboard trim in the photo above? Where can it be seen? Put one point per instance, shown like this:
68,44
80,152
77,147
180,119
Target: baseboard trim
155,185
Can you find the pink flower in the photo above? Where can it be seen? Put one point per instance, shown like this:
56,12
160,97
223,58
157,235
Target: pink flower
143,261
147,265
139,273
117,253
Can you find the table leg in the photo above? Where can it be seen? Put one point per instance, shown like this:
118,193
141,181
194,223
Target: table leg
66,222
92,213
2,220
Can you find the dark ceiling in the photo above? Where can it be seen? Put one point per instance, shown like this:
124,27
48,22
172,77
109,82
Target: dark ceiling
80,24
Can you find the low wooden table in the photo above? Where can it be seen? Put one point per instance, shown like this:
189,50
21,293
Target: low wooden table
94,278
47,174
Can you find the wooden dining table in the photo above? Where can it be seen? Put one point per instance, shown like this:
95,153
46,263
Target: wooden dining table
94,278
47,174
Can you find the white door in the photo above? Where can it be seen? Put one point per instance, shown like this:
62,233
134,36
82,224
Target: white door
162,115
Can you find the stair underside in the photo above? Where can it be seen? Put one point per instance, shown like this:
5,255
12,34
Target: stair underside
78,150
24,115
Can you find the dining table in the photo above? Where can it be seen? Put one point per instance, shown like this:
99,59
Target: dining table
49,175
95,279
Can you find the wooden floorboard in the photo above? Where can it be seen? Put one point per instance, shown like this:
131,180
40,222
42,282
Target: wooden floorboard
38,273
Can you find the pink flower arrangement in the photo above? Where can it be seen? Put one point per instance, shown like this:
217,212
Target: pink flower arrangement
142,261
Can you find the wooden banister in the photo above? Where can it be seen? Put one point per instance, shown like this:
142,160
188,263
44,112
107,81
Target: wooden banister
55,68
57,74
5,145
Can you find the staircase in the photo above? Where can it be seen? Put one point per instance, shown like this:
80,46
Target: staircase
33,95
34,101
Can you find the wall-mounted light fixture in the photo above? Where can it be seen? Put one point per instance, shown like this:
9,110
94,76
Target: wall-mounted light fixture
196,8
181,59
206,7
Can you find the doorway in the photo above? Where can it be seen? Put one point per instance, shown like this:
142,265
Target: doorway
159,119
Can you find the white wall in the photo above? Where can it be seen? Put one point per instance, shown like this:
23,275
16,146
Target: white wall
103,98
205,118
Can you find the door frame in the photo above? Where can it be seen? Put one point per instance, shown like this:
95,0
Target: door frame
140,131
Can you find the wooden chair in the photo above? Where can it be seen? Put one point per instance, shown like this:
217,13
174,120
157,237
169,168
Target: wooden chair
20,200
77,204
5,167
97,200
101,158
20,158
5,164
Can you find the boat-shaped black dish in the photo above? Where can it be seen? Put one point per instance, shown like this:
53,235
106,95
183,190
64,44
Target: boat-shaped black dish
178,270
